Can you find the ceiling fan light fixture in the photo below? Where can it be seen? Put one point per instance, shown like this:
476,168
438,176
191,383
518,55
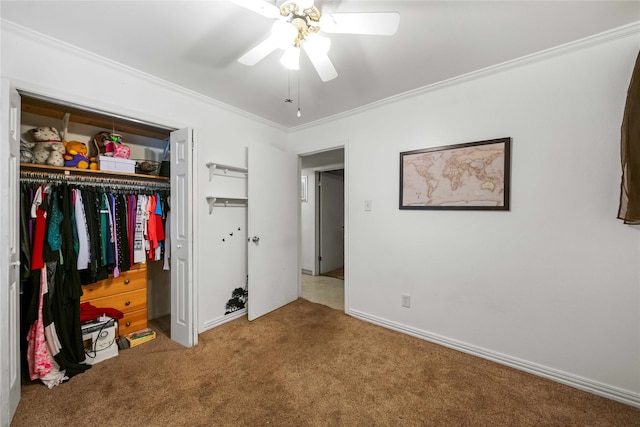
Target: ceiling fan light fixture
327,22
291,58
304,4
315,44
284,33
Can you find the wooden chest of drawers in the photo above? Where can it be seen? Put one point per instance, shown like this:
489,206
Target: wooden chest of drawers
127,293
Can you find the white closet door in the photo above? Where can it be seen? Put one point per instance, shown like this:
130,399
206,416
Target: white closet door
182,304
274,199
9,253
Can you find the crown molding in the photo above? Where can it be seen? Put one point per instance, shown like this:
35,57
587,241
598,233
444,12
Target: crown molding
117,66
625,31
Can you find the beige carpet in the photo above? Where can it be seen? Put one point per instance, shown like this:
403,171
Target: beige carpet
309,365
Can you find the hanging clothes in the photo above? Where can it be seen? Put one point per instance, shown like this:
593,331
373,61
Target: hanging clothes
159,227
65,300
151,226
73,235
82,232
37,352
122,237
39,214
167,240
140,227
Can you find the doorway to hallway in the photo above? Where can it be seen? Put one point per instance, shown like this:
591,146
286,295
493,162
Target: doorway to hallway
323,228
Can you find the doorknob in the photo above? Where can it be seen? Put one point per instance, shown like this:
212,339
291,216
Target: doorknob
255,239
14,264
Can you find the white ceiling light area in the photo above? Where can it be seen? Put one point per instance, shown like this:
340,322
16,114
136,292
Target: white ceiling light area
297,25
197,44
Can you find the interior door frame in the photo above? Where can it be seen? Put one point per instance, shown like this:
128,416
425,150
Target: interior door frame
134,115
318,214
344,165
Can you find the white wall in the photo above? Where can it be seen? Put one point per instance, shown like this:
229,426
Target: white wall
308,221
551,286
224,135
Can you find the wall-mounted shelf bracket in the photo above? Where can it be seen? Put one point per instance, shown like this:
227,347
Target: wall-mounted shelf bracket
213,201
224,169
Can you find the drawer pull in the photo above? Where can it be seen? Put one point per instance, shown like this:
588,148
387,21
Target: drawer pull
127,303
128,324
126,282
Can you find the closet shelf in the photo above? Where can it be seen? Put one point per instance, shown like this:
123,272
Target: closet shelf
222,201
224,169
88,172
35,104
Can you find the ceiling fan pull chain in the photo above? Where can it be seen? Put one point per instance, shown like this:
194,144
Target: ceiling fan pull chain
288,98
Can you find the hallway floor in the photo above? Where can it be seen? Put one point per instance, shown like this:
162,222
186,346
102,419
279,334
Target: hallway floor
323,290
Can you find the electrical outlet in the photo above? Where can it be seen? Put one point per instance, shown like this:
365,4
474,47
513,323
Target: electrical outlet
406,300
367,205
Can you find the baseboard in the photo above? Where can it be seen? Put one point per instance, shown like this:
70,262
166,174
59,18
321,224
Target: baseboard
600,389
210,324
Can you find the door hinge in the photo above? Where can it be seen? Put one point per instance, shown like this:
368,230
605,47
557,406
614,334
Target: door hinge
319,258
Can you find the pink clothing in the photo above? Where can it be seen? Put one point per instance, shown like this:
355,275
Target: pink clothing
37,351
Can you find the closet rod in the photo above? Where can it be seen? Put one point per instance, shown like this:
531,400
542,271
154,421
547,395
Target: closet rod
43,177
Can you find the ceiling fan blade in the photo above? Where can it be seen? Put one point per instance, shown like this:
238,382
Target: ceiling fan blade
322,64
259,6
259,52
370,23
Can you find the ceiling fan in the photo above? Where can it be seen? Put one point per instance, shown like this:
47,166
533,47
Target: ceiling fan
297,25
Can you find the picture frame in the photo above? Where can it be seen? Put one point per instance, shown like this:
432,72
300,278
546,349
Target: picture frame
303,189
469,176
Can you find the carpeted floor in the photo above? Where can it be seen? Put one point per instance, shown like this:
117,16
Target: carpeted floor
309,365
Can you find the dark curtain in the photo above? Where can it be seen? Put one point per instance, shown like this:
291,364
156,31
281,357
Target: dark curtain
629,210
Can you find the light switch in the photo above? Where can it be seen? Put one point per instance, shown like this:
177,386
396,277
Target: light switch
367,205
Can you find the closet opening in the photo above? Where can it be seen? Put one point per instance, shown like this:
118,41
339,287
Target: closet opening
133,274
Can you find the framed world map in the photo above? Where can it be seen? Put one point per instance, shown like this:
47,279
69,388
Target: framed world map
471,176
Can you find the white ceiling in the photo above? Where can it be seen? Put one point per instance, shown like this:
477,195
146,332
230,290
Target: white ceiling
195,44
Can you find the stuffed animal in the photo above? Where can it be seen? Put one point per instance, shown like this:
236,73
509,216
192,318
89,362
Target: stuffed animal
47,133
49,153
99,142
76,156
26,151
48,149
110,145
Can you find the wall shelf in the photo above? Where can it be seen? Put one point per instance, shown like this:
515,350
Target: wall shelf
225,169
222,201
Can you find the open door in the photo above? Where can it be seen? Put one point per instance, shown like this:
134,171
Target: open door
182,304
274,198
9,254
331,208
